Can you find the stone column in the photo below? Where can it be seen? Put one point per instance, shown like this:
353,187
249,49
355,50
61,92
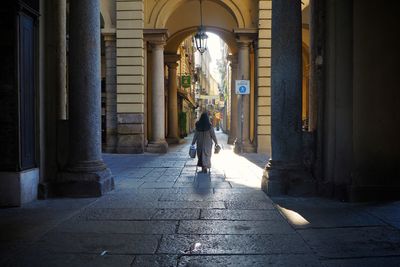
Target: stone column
173,136
86,174
234,102
244,42
285,172
318,40
157,143
146,95
111,92
61,57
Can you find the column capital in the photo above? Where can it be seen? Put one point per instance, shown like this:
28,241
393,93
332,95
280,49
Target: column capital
243,44
233,59
108,34
172,65
156,37
245,36
171,59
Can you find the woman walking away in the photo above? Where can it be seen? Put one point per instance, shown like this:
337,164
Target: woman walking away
204,136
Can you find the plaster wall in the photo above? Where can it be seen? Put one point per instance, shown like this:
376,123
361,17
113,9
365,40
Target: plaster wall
376,95
263,72
338,103
130,76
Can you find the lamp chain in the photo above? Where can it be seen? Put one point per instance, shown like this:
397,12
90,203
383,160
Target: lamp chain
201,14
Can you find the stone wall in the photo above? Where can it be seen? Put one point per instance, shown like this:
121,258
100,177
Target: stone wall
8,93
130,76
263,112
376,114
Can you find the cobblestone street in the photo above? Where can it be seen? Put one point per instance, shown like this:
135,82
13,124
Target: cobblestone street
164,214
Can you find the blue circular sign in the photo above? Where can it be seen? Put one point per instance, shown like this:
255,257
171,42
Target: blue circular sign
242,89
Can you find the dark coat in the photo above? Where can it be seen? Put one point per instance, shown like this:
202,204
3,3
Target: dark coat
204,146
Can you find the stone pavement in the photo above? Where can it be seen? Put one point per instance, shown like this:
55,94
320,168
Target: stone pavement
164,214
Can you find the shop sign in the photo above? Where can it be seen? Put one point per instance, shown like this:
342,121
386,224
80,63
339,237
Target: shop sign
186,81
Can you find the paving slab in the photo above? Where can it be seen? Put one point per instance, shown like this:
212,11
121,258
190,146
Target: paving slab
107,214
249,205
177,214
187,190
364,262
96,243
249,215
214,185
353,242
48,259
329,218
233,227
128,184
157,185
155,261
188,197
191,204
233,244
119,227
249,260
320,213
188,184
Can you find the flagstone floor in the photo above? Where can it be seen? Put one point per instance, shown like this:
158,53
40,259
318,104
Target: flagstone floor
163,213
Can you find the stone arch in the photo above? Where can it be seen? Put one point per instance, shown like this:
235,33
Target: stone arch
102,22
163,10
107,10
176,39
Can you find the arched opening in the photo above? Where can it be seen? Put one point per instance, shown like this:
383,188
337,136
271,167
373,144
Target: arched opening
189,78
172,22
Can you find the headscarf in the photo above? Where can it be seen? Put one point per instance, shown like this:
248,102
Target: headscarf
203,124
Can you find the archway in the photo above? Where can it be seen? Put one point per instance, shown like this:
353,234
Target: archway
182,64
225,18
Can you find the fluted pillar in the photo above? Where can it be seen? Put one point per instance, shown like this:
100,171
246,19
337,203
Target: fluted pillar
234,103
285,172
111,93
157,142
173,135
85,174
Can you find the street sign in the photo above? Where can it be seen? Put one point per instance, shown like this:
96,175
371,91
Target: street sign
242,87
186,81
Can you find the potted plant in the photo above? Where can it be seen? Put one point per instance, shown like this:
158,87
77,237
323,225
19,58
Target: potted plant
182,124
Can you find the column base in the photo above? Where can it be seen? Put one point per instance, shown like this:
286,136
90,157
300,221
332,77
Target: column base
249,148
110,145
157,147
284,178
18,188
130,144
238,147
110,150
173,140
83,184
231,140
